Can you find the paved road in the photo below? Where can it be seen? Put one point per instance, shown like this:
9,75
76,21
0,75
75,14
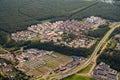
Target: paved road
97,49
4,49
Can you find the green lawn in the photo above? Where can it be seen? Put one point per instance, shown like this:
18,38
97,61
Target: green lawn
85,70
41,79
112,44
75,77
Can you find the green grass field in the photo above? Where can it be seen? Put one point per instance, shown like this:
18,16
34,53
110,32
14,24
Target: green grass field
112,44
75,77
85,70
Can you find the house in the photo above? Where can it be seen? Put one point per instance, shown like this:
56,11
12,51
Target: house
117,46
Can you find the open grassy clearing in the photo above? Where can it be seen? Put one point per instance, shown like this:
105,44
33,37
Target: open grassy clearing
112,44
87,69
75,77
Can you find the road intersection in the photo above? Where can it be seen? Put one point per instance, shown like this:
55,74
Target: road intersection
94,54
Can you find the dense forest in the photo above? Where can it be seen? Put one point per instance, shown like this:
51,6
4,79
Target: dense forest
4,37
111,59
16,15
62,49
100,32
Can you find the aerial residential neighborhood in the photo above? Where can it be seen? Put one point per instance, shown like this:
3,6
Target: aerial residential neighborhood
38,63
59,39
23,35
68,33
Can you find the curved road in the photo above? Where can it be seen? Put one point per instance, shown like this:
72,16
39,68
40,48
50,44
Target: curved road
95,52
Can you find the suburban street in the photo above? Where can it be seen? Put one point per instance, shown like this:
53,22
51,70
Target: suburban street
4,49
95,52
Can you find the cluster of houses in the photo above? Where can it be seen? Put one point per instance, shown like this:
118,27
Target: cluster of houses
48,32
84,42
96,20
68,33
60,26
104,72
23,36
8,56
74,42
6,69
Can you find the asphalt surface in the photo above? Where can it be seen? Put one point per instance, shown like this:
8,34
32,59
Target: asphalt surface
95,52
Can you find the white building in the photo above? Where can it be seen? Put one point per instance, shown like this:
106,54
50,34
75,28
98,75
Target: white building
108,1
